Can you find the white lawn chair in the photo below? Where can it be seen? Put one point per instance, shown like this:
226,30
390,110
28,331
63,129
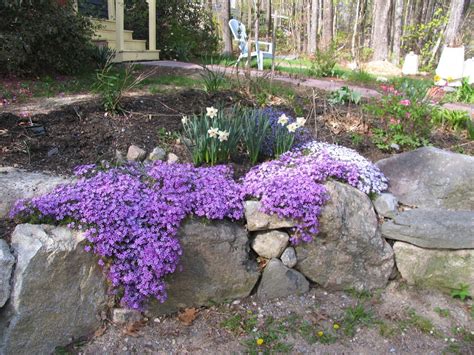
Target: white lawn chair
238,31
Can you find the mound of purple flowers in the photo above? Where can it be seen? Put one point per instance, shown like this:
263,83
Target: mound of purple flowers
371,179
302,134
131,217
292,187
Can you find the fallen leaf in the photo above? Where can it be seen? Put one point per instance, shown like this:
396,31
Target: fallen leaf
188,316
99,332
132,328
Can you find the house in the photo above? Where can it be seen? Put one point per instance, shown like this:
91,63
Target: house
109,15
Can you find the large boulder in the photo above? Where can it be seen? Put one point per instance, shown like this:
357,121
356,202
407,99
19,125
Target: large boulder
281,281
440,269
215,267
435,229
431,178
6,266
349,251
58,291
16,184
270,244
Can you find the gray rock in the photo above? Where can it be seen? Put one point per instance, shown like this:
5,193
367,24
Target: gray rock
435,229
58,291
270,244
124,316
349,251
53,151
431,178
119,157
172,158
386,205
280,281
440,269
135,153
288,258
215,267
18,184
257,220
157,154
6,266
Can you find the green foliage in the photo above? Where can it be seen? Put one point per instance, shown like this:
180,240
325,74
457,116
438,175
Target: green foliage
102,56
185,29
255,127
213,80
413,89
406,123
456,119
443,312
423,37
324,63
212,137
465,93
344,95
43,37
111,85
267,339
355,316
461,292
360,76
419,322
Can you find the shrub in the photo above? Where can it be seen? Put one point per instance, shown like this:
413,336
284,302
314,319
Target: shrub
131,217
185,28
43,37
213,80
344,95
324,63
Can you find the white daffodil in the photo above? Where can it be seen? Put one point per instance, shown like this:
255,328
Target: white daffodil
300,121
213,132
211,112
184,120
292,127
282,120
223,136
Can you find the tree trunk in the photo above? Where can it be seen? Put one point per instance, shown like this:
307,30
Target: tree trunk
313,33
397,31
454,23
226,35
326,35
269,19
354,31
380,29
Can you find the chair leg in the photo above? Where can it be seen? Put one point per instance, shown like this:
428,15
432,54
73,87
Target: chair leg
260,60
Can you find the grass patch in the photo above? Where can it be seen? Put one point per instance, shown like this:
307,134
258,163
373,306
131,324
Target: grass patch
355,317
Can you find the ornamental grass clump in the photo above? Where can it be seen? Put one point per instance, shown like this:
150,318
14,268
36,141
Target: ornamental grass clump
131,217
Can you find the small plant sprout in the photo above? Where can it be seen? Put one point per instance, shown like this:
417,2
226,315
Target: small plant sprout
461,292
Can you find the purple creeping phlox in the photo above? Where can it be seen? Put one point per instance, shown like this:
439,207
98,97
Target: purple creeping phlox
131,214
131,217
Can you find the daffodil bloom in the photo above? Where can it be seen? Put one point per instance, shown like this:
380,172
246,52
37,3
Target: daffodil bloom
213,132
336,326
223,136
300,121
283,120
211,112
449,79
320,333
184,120
292,127
437,78
260,341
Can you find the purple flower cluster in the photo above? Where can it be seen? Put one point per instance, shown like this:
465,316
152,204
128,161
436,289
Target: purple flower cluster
371,179
131,217
302,134
292,187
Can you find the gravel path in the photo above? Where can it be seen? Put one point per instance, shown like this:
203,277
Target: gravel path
399,320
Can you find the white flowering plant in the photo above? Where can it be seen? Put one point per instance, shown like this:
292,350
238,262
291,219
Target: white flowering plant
213,136
285,133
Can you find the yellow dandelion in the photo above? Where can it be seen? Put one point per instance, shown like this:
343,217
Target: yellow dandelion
320,333
450,78
336,326
260,341
437,78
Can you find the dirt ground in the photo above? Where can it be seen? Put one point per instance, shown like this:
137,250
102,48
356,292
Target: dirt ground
398,320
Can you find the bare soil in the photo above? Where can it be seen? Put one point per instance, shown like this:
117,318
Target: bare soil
399,320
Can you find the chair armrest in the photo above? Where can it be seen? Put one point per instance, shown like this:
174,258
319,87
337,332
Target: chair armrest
269,46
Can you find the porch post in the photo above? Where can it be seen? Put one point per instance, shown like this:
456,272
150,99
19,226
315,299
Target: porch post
111,9
119,15
151,25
